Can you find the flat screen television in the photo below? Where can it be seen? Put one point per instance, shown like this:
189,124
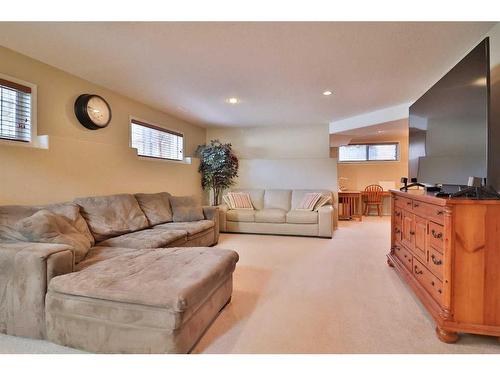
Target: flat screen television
449,124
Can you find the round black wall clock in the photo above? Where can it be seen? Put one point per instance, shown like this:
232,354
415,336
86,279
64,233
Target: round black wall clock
92,111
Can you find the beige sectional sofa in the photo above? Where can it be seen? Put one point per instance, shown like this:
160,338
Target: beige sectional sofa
276,213
125,279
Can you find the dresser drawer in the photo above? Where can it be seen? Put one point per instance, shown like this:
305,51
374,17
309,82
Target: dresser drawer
430,282
404,256
403,203
429,211
436,236
435,263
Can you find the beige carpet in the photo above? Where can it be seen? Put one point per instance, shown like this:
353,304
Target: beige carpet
310,295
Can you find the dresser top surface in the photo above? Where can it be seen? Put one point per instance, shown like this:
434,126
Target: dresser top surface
423,196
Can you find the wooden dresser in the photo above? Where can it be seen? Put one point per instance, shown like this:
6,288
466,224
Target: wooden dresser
448,251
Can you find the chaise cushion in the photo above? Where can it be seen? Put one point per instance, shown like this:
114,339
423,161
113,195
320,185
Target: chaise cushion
46,227
186,209
241,215
112,215
156,207
175,279
145,239
191,227
302,217
270,215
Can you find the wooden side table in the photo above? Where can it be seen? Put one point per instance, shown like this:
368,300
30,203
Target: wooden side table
350,205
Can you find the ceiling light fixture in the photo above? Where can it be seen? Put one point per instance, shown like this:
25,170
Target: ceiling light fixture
233,100
327,93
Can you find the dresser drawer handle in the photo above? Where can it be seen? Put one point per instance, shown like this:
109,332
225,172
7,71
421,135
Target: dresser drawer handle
436,234
408,203
398,214
440,291
412,233
436,261
397,231
417,271
440,212
415,205
432,283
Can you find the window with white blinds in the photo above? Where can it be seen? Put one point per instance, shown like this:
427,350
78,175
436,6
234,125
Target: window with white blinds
155,142
369,152
15,111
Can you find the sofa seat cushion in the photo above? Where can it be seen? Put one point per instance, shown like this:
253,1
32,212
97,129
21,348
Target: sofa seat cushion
191,227
241,215
270,215
174,279
302,217
112,215
145,239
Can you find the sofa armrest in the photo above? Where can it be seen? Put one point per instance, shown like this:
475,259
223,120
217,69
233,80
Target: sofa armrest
326,221
222,216
25,271
212,213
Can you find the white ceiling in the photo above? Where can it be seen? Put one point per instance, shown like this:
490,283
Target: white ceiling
278,70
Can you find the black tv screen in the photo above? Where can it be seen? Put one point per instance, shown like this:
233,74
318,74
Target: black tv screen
448,125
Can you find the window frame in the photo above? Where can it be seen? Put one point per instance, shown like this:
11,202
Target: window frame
155,126
367,159
35,140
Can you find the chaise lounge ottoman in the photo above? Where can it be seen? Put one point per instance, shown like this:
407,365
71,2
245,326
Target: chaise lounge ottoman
143,301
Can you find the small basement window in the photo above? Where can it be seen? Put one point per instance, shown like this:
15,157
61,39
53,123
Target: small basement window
156,142
368,152
15,111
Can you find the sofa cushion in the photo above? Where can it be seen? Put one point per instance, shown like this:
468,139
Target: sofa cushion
186,209
145,239
270,215
175,279
240,201
10,215
191,227
99,253
112,215
278,199
298,195
45,226
241,215
302,217
256,195
156,207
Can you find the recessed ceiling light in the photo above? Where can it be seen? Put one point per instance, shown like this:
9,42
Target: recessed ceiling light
380,131
327,93
232,100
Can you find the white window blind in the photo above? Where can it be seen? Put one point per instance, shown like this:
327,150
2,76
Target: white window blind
369,152
155,142
15,111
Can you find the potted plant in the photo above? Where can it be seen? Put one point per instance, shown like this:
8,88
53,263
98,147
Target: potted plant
218,167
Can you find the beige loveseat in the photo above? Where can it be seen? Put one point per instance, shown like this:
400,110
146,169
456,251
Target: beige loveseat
127,278
275,213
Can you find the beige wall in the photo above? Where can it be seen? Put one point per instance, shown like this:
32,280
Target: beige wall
82,162
281,158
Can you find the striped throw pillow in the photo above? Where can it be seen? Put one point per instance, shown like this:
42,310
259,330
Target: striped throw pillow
240,201
309,201
226,200
322,201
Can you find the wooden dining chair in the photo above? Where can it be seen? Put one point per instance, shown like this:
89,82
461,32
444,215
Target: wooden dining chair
373,197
